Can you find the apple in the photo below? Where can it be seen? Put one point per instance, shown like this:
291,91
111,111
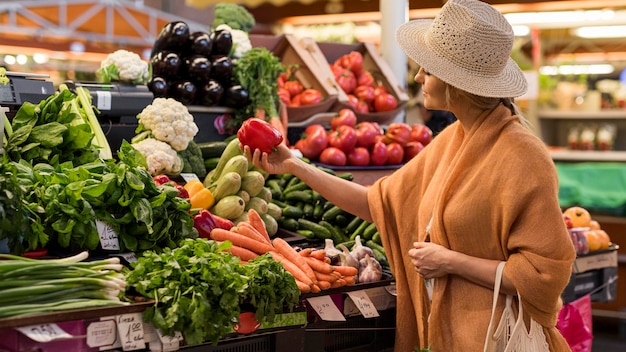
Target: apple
568,221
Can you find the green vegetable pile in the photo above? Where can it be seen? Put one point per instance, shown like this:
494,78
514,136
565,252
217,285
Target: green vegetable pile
198,289
233,15
66,200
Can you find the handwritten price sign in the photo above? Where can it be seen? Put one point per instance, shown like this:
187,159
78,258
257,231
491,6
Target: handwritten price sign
364,304
326,308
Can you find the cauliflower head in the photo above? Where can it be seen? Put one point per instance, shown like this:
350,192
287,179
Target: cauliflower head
125,66
169,121
160,157
241,40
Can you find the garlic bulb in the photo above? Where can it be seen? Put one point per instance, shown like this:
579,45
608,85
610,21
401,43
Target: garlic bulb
331,252
347,259
370,273
359,250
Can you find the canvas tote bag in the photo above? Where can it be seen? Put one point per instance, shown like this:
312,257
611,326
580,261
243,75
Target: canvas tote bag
511,334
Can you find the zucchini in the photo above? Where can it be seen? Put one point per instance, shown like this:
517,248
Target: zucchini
274,210
291,211
212,149
319,230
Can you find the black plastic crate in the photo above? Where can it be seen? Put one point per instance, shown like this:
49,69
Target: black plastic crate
600,283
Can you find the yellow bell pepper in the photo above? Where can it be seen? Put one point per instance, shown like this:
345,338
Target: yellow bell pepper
202,199
193,186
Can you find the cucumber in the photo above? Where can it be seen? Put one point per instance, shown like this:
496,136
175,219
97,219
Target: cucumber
376,238
300,196
211,163
291,211
359,230
289,224
308,210
212,149
281,204
349,244
274,187
343,219
318,210
374,246
319,230
369,231
353,224
306,233
331,214
335,235
346,176
298,186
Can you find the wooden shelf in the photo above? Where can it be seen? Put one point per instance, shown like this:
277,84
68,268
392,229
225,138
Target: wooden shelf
582,115
590,155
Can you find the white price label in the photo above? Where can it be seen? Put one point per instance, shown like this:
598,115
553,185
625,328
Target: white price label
364,304
130,257
108,237
326,308
103,100
101,333
130,330
44,332
189,176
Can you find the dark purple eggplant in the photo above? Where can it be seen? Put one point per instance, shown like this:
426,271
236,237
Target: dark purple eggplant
222,42
198,68
222,69
236,97
210,94
158,86
184,91
174,36
166,64
201,43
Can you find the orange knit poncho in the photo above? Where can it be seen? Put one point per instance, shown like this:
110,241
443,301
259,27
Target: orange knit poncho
493,193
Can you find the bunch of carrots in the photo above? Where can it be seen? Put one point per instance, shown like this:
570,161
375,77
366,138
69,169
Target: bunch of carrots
310,267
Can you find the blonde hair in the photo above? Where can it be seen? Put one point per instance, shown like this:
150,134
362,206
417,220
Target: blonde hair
485,103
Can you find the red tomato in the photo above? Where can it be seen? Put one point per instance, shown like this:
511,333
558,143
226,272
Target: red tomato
345,117
333,156
378,154
284,96
366,134
378,90
359,156
362,107
411,149
293,87
365,93
398,132
365,78
385,102
310,96
346,81
295,100
421,133
355,60
343,137
314,140
353,101
395,154
282,78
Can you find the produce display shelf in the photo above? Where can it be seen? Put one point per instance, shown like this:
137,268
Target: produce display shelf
75,314
386,280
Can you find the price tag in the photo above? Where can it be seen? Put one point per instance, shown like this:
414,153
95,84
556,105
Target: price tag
130,330
44,332
130,257
108,237
189,176
104,100
326,308
363,303
101,333
178,336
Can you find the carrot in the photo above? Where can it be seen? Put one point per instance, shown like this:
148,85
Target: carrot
284,248
319,254
297,273
350,280
326,277
315,288
255,220
250,231
304,288
242,253
339,283
323,285
306,252
236,239
319,265
345,270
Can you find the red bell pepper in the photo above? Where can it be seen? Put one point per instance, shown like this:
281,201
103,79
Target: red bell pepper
259,134
204,222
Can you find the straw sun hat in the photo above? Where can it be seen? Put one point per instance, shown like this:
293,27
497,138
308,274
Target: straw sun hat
468,46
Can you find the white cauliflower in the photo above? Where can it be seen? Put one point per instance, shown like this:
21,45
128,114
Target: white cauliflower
160,156
125,66
241,40
167,120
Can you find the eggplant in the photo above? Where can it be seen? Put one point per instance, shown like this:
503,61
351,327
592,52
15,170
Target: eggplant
210,94
174,36
222,42
184,91
198,68
236,97
158,86
201,43
166,64
222,69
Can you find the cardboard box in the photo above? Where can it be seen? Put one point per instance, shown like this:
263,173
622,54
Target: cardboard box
290,52
327,53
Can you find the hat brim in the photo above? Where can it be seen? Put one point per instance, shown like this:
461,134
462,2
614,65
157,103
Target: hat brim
509,83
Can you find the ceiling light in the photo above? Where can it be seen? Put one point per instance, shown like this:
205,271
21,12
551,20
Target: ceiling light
597,69
601,32
521,31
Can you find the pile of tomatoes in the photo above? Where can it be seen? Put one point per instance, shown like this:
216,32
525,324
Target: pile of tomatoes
348,143
293,93
365,95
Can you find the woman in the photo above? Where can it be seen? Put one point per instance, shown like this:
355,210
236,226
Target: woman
486,188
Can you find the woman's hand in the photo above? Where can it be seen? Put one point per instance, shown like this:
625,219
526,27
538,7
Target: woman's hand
429,259
277,162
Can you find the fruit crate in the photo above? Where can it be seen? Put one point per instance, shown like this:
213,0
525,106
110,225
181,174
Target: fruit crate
290,52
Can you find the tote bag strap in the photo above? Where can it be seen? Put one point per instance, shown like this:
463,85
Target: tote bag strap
496,294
